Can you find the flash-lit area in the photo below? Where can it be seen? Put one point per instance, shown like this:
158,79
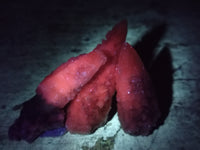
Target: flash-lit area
37,37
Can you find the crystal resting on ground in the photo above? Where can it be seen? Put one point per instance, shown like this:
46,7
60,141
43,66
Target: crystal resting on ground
78,93
136,100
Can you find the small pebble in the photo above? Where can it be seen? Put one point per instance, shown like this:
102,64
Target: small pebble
54,132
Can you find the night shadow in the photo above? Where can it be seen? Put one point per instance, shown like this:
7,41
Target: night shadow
161,74
159,67
146,46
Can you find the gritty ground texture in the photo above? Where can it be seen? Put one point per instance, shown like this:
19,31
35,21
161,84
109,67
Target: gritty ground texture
36,37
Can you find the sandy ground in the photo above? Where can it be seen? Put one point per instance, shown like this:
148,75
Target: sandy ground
36,37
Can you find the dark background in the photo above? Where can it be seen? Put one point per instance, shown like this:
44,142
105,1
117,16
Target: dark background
36,37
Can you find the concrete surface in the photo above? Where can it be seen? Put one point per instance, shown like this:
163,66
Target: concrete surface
36,37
